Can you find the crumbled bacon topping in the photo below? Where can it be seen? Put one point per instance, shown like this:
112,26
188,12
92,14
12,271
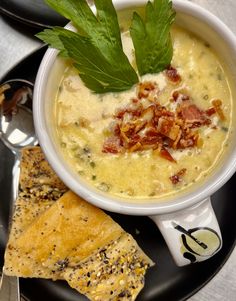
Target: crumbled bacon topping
145,88
210,111
180,95
176,178
146,124
112,145
217,103
173,75
164,153
191,113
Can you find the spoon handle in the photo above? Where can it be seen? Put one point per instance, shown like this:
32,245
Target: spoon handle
9,286
15,181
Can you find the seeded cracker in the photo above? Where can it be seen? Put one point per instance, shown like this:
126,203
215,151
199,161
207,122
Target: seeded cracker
39,189
73,240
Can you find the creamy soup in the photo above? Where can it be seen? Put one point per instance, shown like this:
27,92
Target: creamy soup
160,137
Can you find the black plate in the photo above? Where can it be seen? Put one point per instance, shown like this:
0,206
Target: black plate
165,281
35,13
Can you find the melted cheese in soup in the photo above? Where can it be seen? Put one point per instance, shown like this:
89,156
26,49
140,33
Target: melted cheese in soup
85,121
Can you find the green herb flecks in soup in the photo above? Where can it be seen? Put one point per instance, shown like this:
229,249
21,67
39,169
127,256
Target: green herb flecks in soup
161,136
140,114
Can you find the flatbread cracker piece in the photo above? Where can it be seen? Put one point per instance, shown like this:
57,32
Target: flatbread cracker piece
70,228
56,234
114,272
78,242
36,171
36,195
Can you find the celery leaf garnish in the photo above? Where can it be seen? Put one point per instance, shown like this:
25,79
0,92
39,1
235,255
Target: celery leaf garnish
151,37
96,47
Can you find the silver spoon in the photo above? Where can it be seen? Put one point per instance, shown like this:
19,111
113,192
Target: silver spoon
16,131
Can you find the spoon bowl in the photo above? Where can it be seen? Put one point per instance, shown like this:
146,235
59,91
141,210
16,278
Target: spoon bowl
16,122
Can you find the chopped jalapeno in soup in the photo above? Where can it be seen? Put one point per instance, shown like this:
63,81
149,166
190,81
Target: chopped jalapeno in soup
160,137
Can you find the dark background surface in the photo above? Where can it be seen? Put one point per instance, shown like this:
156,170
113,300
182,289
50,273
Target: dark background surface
32,12
165,281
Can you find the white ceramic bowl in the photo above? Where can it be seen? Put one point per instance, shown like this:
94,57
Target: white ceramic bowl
194,18
189,16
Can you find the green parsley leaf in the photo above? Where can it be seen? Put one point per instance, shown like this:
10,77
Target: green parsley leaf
151,37
96,49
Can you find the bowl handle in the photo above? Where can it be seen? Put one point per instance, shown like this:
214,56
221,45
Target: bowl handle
193,234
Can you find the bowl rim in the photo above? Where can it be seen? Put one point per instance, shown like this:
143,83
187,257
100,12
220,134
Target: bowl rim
109,202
